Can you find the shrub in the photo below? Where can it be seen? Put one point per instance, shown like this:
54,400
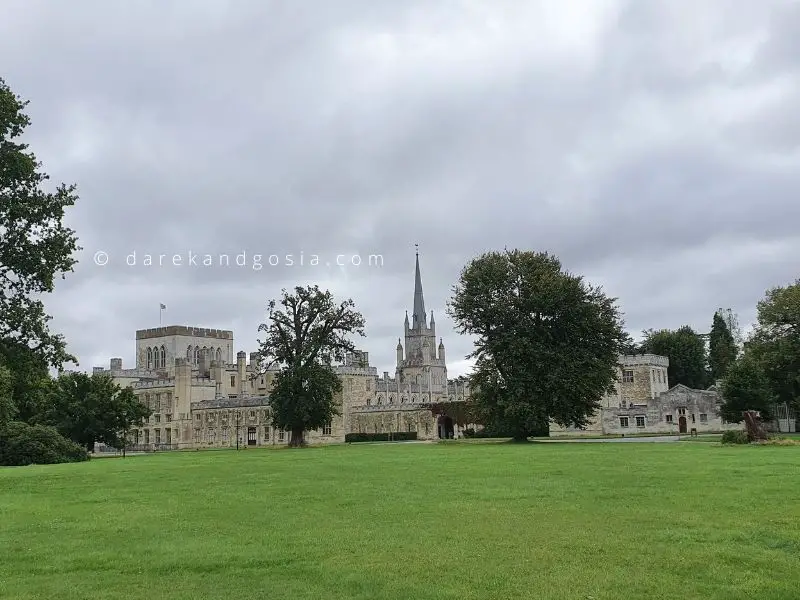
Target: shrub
399,436
23,444
735,437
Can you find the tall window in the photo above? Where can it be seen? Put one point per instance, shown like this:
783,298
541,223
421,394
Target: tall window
640,421
196,354
623,421
219,355
158,436
189,354
233,380
326,429
163,358
627,376
149,358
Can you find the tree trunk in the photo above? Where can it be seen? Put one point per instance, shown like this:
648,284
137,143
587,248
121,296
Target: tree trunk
520,437
297,440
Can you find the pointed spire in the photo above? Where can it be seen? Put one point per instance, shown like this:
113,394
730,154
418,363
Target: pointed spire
399,345
432,321
441,343
419,301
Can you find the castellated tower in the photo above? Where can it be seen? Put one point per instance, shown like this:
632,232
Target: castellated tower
423,362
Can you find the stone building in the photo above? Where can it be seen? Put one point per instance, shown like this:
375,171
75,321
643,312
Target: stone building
202,395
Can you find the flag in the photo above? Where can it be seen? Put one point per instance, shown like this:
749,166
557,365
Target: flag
163,307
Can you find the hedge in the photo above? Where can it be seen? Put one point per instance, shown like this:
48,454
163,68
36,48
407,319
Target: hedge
399,436
23,444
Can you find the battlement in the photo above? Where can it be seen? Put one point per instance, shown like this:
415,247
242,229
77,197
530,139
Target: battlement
242,402
170,330
643,360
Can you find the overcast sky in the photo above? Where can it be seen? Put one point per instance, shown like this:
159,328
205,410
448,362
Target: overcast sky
654,146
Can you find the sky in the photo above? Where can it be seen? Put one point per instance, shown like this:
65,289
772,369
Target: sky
653,146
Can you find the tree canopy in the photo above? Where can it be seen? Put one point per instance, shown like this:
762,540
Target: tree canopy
92,408
686,352
745,387
304,338
722,348
547,343
35,245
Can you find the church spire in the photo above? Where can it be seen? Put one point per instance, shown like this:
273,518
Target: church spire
419,316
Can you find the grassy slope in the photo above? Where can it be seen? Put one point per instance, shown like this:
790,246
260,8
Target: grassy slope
566,521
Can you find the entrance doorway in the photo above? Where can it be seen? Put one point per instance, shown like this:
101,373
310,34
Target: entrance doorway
682,425
251,436
446,428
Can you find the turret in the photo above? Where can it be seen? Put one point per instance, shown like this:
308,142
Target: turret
406,323
441,350
241,367
433,326
399,352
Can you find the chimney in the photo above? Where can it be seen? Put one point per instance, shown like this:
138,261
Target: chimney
241,367
254,361
116,364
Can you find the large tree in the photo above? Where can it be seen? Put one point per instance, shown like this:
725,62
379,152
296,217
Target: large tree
8,408
722,349
775,342
35,245
547,343
746,387
92,408
686,351
303,339
30,378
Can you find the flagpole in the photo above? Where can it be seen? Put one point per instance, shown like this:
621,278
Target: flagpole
160,312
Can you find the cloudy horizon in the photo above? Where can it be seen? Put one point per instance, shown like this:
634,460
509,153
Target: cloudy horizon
653,151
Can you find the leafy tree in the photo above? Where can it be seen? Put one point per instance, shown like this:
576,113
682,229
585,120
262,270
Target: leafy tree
686,352
547,343
304,338
24,444
629,345
776,342
92,408
746,387
722,348
35,246
8,409
30,378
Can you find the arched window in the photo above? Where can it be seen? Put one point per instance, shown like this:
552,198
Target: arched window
402,399
163,358
189,354
149,358
196,354
380,400
219,354
391,399
413,399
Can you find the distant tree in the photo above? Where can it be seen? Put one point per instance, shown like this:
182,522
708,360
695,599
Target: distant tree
746,387
775,342
630,346
304,339
547,342
35,246
8,409
722,348
686,351
92,408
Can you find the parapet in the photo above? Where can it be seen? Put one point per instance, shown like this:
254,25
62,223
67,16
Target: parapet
643,360
170,330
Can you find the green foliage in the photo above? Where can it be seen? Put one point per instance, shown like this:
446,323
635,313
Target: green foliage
305,337
30,378
746,387
735,437
24,444
547,342
775,342
722,348
686,352
8,409
35,246
92,408
398,436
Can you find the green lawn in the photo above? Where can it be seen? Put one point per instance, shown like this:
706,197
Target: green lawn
409,521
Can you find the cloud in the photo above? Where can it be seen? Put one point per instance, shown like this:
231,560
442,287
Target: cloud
655,153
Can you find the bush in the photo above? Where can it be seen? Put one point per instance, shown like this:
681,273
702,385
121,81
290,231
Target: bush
399,436
735,437
23,444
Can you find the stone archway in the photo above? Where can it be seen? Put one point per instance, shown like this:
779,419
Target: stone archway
682,425
446,428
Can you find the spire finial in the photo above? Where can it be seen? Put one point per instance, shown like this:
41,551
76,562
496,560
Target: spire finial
416,248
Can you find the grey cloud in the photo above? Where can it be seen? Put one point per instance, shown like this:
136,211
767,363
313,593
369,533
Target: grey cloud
635,143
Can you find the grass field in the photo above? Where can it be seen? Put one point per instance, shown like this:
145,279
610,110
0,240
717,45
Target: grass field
409,521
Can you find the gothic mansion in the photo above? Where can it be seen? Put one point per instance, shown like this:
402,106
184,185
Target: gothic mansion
202,395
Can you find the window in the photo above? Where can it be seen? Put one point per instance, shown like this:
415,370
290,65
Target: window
391,399
627,376
198,417
157,418
149,358
163,358
252,414
158,436
693,418
251,436
169,418
225,435
682,411
623,421
369,385
233,380
212,436
197,435
640,421
326,429
168,433
668,418
189,355
158,403
704,418
146,436
281,435
266,434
